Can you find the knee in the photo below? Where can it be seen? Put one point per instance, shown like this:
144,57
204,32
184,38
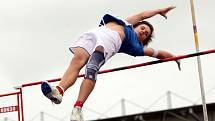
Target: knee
78,61
95,62
99,49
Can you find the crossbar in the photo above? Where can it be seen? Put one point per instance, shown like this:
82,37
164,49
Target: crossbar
132,66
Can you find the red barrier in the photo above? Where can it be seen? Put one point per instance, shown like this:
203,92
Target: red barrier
18,107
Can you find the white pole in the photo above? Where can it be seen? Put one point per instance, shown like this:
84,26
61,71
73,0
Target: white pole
123,107
41,116
199,62
6,119
169,100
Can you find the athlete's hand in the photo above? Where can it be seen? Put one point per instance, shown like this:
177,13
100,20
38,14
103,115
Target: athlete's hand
179,64
164,11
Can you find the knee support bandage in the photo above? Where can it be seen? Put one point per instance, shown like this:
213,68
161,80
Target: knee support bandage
95,62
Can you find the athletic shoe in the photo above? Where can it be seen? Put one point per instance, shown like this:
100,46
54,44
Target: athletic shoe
76,114
51,93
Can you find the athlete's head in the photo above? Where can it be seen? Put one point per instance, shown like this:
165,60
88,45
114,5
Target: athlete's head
144,31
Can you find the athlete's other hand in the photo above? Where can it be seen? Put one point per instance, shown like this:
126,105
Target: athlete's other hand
164,11
179,64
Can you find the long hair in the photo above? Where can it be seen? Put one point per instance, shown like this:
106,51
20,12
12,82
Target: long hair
149,38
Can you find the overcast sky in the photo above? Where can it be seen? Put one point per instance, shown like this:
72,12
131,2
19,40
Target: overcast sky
35,36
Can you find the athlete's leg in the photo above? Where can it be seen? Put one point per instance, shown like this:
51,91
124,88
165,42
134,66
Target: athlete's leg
95,62
80,58
55,94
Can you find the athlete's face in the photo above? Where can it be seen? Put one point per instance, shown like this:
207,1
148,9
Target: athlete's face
143,32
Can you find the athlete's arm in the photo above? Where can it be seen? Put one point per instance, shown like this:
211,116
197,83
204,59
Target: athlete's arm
134,19
160,54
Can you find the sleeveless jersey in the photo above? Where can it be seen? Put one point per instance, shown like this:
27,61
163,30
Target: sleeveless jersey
130,45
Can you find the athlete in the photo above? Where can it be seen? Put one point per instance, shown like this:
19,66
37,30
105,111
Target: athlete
95,47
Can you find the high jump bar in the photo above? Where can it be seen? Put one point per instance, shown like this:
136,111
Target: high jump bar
129,67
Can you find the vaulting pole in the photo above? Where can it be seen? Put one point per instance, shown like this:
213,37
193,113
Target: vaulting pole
199,62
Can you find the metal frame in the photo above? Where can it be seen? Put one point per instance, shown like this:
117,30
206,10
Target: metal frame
19,104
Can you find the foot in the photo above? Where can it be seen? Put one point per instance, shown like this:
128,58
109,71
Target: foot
76,114
51,93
